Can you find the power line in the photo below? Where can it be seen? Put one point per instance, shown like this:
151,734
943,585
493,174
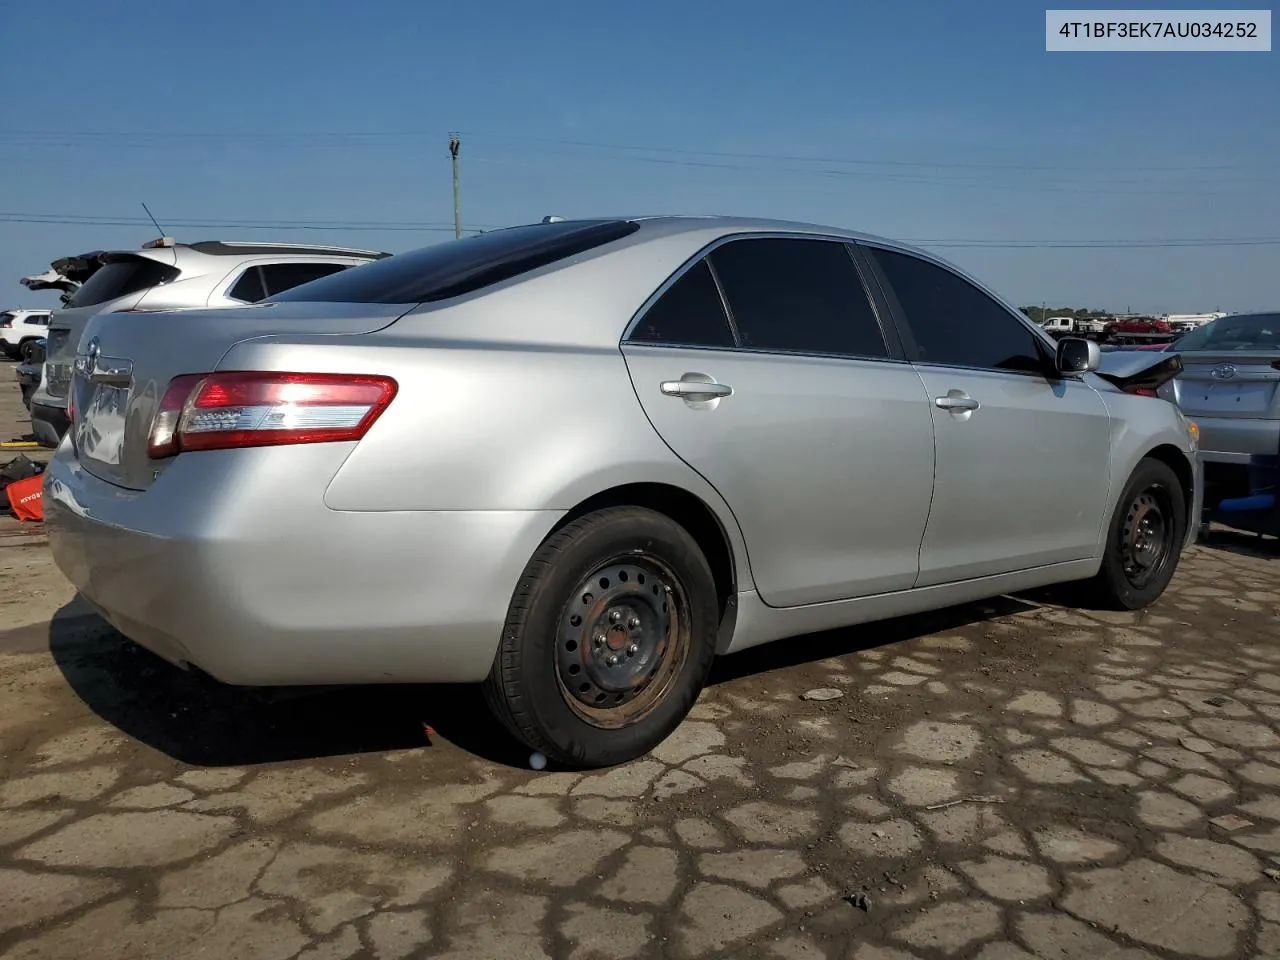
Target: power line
222,222
301,137
403,225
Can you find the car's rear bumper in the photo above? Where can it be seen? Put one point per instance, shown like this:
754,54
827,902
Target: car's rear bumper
48,423
244,573
1236,439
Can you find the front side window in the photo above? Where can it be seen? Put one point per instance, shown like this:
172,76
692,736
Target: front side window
689,314
953,322
798,295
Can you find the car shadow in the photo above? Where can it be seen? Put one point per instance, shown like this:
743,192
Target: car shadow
198,721
1245,543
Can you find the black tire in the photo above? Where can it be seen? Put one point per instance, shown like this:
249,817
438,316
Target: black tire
599,660
1144,541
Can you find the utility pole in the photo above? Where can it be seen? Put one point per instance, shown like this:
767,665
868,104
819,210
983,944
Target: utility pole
454,145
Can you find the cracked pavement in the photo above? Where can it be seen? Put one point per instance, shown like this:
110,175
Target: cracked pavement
1004,780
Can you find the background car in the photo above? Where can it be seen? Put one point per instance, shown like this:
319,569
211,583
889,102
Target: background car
575,461
19,328
1230,385
165,275
28,371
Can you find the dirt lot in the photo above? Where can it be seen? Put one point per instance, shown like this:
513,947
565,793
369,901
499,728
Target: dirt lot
1000,781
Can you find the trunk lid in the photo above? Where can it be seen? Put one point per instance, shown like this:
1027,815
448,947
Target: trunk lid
135,355
1229,384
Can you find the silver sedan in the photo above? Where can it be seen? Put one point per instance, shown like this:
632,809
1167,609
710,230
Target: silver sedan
577,460
1229,384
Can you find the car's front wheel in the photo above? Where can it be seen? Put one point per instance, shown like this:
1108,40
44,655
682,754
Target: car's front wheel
1144,540
608,639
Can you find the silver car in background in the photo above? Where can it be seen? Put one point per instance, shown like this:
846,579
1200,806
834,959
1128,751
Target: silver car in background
1230,386
164,275
577,460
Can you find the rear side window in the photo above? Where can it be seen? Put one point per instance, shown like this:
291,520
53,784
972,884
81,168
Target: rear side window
953,322
259,282
458,267
798,296
280,277
119,278
689,314
249,287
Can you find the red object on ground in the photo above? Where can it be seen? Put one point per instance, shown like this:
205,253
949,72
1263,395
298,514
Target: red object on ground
26,498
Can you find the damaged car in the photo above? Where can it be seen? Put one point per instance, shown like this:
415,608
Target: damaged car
576,461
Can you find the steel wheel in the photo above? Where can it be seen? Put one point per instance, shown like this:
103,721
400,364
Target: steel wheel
1144,541
1145,536
608,640
624,635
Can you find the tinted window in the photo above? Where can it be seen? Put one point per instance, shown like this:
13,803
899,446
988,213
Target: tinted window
249,287
456,267
954,322
280,277
798,295
689,313
119,278
1258,332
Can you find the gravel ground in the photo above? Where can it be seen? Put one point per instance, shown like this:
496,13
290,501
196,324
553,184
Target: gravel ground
1003,780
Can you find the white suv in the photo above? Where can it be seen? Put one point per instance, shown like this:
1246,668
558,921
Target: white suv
165,275
20,327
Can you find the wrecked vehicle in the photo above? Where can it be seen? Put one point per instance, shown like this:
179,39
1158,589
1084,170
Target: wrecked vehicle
576,461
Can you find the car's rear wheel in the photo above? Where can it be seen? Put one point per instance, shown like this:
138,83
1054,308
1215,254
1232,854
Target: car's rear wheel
608,639
1144,540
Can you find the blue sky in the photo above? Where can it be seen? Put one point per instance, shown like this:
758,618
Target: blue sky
925,121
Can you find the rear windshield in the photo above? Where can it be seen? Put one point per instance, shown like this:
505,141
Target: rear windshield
119,278
1258,332
456,267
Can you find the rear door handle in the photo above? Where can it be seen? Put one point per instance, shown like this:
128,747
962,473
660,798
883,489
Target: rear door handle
695,389
956,402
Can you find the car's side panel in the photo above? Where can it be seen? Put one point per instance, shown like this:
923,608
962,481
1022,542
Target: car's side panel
1140,425
1021,481
476,427
759,623
826,462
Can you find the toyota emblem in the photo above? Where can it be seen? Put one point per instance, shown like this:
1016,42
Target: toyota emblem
94,350
1224,371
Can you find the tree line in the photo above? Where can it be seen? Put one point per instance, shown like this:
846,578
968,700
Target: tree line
1039,314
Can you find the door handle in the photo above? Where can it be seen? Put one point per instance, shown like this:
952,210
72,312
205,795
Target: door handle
695,389
956,403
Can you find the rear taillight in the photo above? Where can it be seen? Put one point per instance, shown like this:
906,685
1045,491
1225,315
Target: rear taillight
1142,392
215,411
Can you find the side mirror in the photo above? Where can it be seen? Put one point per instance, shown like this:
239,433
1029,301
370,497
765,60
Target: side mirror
1077,355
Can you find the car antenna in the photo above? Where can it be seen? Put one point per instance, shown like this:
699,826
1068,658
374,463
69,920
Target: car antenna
163,235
